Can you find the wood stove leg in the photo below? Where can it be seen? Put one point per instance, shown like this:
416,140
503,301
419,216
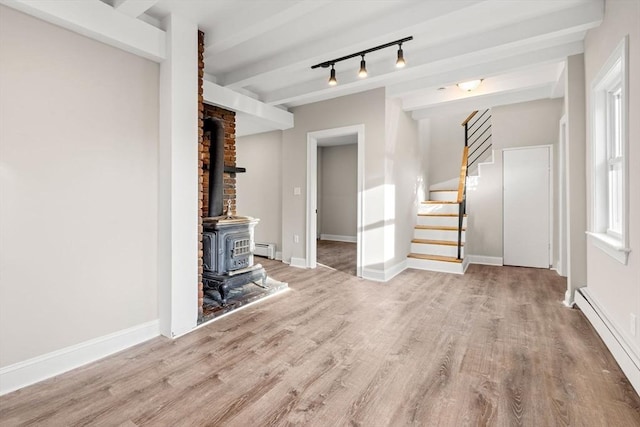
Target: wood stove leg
222,290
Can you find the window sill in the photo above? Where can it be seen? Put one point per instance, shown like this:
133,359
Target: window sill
611,246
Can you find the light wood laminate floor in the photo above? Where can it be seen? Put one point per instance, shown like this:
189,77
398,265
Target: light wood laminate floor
338,255
492,347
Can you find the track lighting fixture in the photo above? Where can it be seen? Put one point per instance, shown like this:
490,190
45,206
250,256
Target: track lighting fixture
363,69
400,62
332,79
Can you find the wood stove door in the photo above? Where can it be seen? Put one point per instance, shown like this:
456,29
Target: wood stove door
209,251
238,251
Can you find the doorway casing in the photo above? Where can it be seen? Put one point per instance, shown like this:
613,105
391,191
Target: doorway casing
312,190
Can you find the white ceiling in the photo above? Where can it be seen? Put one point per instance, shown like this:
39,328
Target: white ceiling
265,48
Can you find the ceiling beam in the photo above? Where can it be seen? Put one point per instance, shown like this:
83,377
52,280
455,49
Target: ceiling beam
481,102
439,72
133,8
535,76
397,25
536,34
442,29
226,98
99,21
248,32
416,93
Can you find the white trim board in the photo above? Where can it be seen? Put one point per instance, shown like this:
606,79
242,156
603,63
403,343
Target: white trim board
621,351
31,371
484,260
338,238
298,262
311,208
386,274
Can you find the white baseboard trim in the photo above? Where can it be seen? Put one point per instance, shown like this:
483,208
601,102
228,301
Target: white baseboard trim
484,260
338,238
613,339
278,256
465,264
384,275
298,262
22,374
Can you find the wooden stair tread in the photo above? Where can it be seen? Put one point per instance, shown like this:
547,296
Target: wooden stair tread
440,202
437,242
440,214
438,227
435,258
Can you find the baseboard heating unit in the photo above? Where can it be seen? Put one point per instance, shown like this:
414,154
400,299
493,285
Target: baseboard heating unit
266,250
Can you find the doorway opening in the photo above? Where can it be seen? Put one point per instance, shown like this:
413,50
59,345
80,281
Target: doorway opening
337,137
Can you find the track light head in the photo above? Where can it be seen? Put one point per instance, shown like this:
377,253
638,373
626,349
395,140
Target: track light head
363,69
400,61
332,78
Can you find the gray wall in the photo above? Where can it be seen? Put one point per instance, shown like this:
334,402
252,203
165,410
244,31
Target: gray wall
337,190
516,125
78,218
613,285
366,108
447,143
259,189
406,163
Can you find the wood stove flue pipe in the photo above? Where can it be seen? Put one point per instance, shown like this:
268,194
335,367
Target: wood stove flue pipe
216,165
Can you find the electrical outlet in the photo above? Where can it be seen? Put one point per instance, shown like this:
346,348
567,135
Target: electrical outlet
632,324
296,191
296,238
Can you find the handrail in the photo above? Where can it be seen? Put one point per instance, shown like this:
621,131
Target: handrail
463,175
464,168
462,196
473,113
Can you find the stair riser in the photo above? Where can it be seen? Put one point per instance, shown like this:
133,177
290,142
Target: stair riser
447,221
429,249
438,208
437,234
442,266
448,196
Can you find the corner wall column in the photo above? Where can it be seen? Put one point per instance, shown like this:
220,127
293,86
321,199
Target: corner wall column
575,167
178,180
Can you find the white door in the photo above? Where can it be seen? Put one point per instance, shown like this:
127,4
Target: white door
526,206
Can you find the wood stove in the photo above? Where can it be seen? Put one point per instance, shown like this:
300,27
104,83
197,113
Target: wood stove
228,247
227,240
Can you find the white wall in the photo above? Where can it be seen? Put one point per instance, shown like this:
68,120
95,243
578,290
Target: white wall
259,189
516,125
366,108
406,159
78,169
447,143
337,190
614,286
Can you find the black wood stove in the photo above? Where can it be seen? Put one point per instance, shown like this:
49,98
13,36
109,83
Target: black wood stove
228,255
227,240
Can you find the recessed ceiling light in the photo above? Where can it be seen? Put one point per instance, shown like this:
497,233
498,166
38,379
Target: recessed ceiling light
470,85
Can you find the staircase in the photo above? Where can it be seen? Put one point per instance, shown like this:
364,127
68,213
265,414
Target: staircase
435,237
440,231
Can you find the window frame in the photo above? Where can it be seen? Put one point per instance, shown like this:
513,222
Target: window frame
608,228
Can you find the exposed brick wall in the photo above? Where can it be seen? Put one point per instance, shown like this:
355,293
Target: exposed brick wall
228,120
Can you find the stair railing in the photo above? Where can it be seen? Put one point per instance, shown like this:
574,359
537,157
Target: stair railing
477,139
477,135
462,196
